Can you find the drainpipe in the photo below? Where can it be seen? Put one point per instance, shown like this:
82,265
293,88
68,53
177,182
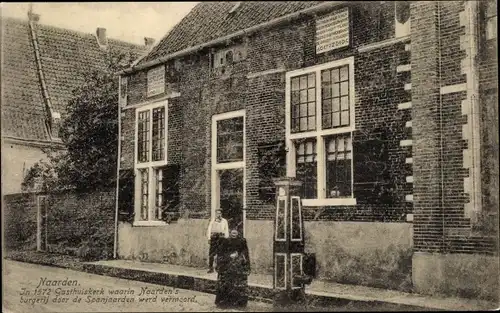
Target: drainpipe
115,243
473,87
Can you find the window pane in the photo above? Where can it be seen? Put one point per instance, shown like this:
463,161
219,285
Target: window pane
327,106
311,95
344,73
303,96
312,123
335,90
325,76
335,75
143,137
303,82
230,140
335,105
344,103
336,119
344,88
159,200
144,178
344,118
338,91
311,109
306,167
327,120
311,80
295,111
327,92
295,83
303,109
306,98
158,134
338,166
303,124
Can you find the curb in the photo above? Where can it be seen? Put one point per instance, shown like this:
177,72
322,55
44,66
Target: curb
258,293
255,292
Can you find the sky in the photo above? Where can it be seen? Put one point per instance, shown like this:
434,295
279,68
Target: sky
128,21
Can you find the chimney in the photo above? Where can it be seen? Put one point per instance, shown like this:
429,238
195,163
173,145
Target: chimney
33,17
148,42
102,40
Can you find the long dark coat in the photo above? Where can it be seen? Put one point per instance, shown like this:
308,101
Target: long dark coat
233,269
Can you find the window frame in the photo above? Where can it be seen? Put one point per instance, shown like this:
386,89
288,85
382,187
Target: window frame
151,165
320,134
216,166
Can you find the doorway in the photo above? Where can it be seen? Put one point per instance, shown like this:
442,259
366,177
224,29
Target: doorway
231,197
228,168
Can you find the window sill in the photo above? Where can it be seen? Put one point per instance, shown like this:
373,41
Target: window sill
149,223
329,202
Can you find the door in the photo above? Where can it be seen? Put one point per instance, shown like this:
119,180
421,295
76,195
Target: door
41,235
231,197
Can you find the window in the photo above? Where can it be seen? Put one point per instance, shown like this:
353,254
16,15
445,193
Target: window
320,121
402,18
151,163
230,140
156,81
228,166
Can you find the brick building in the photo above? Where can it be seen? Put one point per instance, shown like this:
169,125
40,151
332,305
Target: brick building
386,111
41,66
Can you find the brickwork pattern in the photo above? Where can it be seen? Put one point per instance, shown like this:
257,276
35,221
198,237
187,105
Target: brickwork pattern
379,90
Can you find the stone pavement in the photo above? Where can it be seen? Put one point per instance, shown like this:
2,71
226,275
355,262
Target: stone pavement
260,287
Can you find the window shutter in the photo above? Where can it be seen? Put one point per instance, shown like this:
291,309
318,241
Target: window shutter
170,192
372,182
126,196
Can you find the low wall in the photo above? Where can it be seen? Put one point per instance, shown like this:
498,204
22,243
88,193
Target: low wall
19,216
363,253
79,223
458,274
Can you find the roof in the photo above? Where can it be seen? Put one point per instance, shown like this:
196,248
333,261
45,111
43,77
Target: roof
211,20
66,56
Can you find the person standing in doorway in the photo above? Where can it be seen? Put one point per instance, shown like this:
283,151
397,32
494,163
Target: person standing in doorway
218,229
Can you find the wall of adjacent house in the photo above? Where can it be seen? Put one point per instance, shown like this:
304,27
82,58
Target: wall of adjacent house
382,206
16,161
455,240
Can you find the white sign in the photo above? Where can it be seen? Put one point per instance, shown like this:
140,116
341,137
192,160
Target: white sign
332,31
156,81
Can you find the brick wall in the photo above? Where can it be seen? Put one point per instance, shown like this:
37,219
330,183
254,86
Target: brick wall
440,100
380,125
75,220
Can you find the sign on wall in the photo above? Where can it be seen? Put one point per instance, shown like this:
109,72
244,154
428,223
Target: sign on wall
332,31
156,81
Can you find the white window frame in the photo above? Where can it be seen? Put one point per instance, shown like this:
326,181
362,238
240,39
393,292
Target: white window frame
215,166
152,165
319,134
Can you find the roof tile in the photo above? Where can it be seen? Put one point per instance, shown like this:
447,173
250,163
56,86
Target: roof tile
66,57
210,20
